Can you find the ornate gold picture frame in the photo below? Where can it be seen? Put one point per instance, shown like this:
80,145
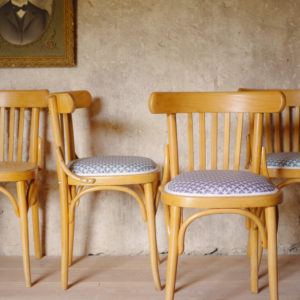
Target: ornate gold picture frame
37,33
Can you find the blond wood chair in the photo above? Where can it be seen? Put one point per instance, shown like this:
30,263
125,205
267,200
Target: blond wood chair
281,140
20,159
218,191
281,144
78,177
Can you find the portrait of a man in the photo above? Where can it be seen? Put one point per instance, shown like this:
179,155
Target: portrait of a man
24,21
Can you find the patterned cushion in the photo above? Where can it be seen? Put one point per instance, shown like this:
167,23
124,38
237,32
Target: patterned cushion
284,160
216,183
112,165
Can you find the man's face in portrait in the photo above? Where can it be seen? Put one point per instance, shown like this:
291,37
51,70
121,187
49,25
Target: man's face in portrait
23,21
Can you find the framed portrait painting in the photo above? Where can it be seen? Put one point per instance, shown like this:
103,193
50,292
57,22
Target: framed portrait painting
37,33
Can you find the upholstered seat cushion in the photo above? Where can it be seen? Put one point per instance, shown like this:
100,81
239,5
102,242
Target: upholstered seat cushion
112,165
283,160
214,183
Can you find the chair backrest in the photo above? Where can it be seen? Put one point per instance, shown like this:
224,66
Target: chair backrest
281,130
225,103
61,107
19,124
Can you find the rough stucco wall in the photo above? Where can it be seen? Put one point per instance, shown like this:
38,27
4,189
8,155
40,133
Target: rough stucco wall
126,50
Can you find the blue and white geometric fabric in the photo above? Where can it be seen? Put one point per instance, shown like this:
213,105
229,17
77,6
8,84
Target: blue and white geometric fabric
283,160
214,183
112,165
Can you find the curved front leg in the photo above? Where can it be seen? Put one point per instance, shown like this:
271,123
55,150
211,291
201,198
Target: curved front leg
24,231
272,251
152,234
64,232
33,201
173,252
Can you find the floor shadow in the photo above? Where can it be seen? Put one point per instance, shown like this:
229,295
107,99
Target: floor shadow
77,260
44,276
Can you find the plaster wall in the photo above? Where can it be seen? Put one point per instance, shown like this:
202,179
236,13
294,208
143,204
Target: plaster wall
126,50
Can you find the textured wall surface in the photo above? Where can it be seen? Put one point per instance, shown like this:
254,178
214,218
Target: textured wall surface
126,50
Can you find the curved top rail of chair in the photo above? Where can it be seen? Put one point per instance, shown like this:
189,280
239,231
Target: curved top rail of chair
193,102
24,98
67,102
292,97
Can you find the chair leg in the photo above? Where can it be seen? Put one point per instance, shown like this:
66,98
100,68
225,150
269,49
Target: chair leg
24,231
167,219
254,259
150,202
272,251
36,229
260,252
173,252
64,233
71,195
260,249
71,240
155,192
249,244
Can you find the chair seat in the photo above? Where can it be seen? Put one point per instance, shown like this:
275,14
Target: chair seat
214,183
283,160
112,166
17,171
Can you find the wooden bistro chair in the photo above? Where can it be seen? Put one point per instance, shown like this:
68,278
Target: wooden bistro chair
78,177
20,159
281,143
218,191
282,140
